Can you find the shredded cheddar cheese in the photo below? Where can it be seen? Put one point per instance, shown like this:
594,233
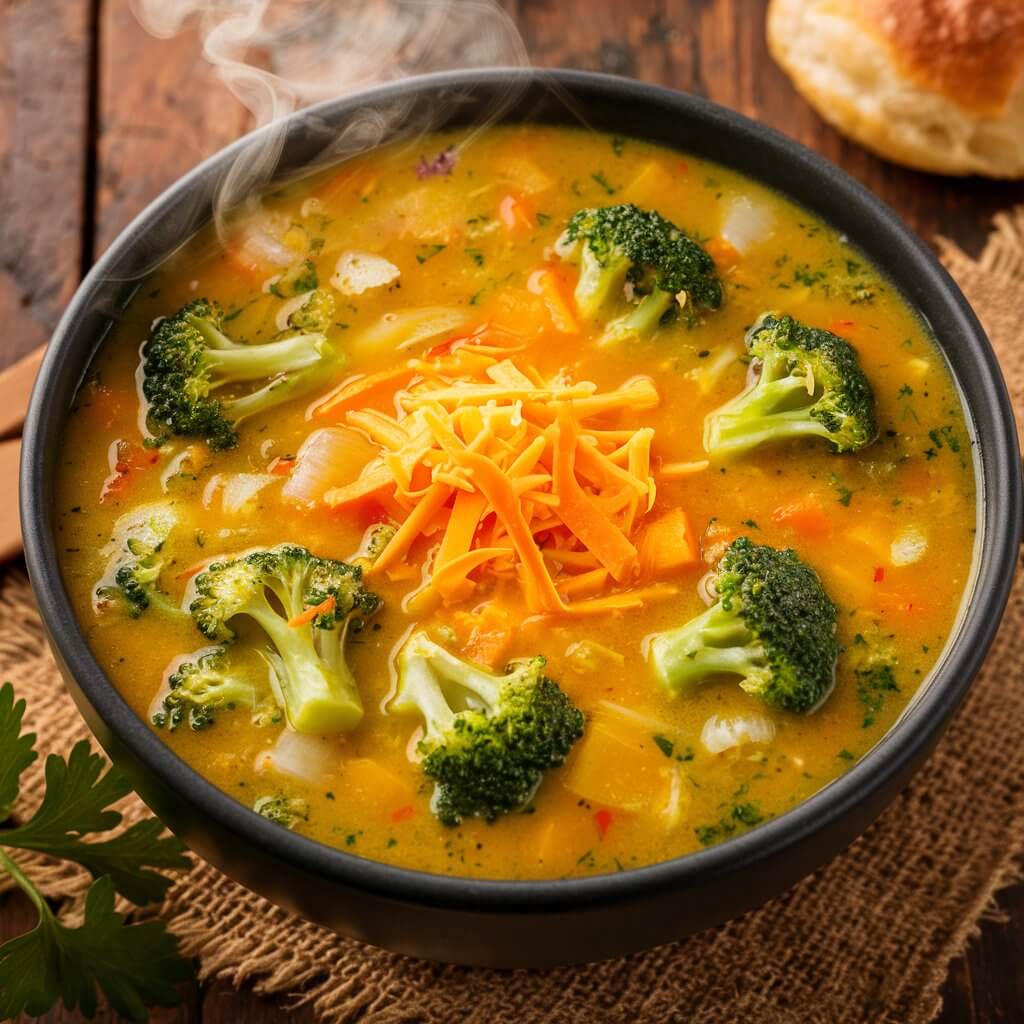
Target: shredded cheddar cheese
513,474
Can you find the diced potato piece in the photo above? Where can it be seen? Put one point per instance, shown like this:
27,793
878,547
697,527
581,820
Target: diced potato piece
610,769
561,843
357,272
526,175
909,546
376,785
431,213
652,184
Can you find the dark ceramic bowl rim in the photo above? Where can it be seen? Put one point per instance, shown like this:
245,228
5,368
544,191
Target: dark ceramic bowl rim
906,739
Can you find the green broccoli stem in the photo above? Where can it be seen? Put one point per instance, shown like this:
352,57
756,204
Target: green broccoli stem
316,700
598,282
642,321
251,362
737,433
483,685
422,692
770,410
280,389
716,642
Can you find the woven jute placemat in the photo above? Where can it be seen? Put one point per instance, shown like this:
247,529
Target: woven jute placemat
866,939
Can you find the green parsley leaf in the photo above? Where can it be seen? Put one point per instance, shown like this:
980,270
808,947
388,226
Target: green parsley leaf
16,750
665,745
134,965
429,252
77,802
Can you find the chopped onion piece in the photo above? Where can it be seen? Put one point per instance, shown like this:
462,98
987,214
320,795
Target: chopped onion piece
747,223
304,757
678,803
710,371
909,546
357,272
724,733
329,457
237,490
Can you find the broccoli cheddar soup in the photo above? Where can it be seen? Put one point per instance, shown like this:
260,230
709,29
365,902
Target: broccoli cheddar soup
534,504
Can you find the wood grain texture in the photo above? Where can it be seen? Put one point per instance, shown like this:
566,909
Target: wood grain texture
45,153
160,110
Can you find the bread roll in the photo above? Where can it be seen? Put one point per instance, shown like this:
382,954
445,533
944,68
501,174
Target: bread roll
935,84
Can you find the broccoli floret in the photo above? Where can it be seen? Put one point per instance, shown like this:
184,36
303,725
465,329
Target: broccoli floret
135,558
200,689
188,357
282,810
488,738
315,314
810,385
375,540
278,589
620,246
773,625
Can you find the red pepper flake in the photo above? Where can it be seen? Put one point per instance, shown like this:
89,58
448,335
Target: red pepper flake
603,820
684,167
403,813
879,574
838,326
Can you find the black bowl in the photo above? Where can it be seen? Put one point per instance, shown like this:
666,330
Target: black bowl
551,922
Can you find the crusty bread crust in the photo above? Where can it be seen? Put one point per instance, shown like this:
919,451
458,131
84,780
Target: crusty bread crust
935,84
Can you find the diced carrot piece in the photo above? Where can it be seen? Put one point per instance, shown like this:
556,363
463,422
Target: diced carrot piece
490,633
516,212
723,252
552,287
807,517
323,608
668,545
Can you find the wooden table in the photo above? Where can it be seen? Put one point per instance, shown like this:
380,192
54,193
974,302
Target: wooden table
96,118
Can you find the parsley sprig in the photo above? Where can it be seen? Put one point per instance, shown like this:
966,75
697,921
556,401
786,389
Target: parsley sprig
134,965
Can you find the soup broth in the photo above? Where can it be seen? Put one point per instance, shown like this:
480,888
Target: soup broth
469,229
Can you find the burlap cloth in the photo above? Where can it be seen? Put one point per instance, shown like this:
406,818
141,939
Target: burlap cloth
866,939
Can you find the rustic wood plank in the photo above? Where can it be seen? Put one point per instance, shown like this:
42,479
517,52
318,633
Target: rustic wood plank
162,110
45,57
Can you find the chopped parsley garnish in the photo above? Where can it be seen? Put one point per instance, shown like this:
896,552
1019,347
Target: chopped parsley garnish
428,252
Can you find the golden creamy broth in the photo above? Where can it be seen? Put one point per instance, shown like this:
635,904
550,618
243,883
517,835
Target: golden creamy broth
642,785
